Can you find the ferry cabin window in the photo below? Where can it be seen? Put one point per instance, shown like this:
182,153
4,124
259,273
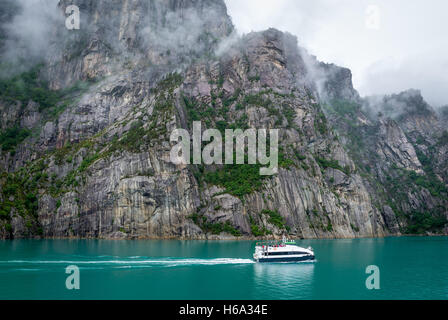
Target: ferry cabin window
283,253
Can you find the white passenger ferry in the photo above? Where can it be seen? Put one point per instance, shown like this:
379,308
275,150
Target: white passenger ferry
282,251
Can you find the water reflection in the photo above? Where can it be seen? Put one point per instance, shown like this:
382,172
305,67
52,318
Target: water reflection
284,281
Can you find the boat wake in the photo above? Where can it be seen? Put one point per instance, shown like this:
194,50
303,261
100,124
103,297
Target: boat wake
126,263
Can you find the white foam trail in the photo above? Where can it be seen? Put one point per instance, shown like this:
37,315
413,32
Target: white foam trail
154,262
25,269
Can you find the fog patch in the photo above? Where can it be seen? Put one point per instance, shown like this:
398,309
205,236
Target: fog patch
29,33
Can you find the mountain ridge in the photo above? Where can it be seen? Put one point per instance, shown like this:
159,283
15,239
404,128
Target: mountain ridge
93,161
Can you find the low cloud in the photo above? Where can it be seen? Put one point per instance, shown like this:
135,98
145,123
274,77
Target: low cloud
391,76
28,33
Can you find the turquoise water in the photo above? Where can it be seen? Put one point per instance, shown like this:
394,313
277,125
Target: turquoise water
410,268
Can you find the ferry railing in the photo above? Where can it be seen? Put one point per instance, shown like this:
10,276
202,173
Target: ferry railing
270,243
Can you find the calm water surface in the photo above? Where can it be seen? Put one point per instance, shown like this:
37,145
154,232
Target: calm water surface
411,268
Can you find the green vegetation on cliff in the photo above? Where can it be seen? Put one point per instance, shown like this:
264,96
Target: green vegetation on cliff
12,137
214,228
19,194
27,86
334,164
238,180
276,219
421,223
259,231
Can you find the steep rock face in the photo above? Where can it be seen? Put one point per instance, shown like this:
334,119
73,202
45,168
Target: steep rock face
414,115
100,166
394,148
335,82
146,196
315,200
123,34
398,146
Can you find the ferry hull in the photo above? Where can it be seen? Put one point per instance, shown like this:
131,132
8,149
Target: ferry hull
286,259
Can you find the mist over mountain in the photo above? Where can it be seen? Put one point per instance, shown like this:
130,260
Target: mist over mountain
390,46
87,117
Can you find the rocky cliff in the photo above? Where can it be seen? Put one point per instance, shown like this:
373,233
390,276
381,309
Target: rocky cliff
85,135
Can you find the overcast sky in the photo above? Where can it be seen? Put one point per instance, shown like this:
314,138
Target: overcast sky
390,45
